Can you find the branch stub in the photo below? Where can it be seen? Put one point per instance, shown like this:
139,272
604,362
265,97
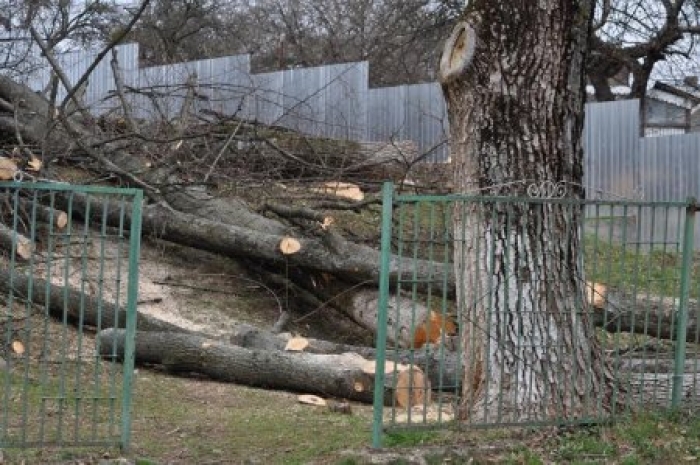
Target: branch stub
457,53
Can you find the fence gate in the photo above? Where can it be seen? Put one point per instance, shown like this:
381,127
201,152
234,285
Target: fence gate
635,259
69,269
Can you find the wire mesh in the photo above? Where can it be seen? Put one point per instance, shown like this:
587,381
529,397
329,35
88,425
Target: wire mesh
529,303
69,269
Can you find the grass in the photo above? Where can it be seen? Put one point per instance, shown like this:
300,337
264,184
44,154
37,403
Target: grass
190,421
662,438
241,424
633,269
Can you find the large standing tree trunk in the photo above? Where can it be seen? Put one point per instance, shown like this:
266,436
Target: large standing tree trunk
513,77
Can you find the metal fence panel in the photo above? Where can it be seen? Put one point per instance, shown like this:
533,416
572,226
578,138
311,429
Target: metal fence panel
74,64
411,112
611,145
70,262
326,101
642,291
668,168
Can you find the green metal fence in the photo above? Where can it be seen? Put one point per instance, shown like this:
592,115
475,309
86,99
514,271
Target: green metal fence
69,268
635,261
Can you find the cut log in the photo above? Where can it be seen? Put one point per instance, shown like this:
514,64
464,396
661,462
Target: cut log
289,246
403,313
342,258
595,294
409,323
412,388
8,169
16,243
341,189
340,376
66,301
47,215
651,315
17,347
330,375
310,399
443,375
296,344
34,164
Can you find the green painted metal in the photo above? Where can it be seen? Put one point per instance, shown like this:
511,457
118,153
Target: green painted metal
57,391
384,269
132,300
643,252
682,324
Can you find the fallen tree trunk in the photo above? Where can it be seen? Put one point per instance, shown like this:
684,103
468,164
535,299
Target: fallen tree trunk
74,305
441,366
330,375
651,315
345,375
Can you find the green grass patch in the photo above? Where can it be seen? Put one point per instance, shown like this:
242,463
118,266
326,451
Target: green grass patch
411,438
634,269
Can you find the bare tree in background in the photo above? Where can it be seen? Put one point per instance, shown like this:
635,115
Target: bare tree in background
636,36
400,38
173,31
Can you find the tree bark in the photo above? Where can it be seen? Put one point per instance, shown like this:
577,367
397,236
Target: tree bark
650,315
440,365
72,304
513,78
335,375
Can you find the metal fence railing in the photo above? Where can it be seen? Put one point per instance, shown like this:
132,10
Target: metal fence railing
69,268
526,301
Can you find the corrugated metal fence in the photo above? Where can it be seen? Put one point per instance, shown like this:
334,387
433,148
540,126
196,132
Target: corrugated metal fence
336,101
329,101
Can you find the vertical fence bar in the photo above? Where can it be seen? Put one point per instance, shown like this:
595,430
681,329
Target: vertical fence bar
686,267
384,268
132,296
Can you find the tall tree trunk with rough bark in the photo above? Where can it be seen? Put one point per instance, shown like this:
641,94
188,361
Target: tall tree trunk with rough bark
513,78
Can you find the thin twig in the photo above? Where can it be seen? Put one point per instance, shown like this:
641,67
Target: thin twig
119,37
222,151
119,85
197,288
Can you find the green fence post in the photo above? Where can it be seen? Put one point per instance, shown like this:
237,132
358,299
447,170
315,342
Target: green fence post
682,328
132,296
384,269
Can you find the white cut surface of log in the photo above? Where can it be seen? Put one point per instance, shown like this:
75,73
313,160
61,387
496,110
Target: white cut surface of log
22,245
364,309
